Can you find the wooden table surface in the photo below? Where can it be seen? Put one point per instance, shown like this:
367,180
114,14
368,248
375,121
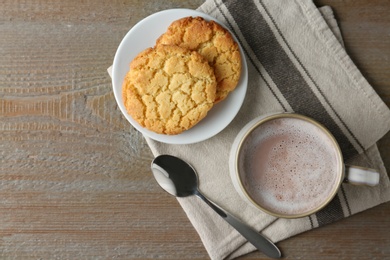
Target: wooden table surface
74,175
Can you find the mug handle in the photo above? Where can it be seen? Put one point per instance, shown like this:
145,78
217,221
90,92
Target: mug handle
361,176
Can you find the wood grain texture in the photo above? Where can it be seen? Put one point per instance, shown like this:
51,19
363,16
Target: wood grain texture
75,181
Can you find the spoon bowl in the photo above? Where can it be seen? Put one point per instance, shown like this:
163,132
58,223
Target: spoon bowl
184,184
180,179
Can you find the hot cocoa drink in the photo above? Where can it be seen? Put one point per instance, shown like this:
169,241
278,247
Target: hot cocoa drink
290,166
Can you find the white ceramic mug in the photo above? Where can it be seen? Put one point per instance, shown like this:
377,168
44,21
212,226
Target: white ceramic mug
290,166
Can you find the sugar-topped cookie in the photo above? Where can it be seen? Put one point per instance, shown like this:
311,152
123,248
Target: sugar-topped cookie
169,89
213,42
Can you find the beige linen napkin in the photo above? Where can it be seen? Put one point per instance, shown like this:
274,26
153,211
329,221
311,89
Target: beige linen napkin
295,63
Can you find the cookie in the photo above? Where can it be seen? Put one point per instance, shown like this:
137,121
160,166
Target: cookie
169,89
213,42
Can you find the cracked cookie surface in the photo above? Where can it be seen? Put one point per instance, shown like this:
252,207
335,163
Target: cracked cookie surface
169,89
213,42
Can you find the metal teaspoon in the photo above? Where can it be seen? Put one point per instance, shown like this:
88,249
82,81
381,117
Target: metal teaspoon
181,180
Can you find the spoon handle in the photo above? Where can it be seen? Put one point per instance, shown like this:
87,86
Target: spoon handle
262,243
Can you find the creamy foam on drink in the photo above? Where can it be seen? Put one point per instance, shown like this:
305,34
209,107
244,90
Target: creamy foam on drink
291,166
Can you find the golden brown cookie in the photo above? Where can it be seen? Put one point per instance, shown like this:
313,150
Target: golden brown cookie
213,42
169,89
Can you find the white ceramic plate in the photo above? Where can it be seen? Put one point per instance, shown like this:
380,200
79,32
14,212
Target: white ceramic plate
143,35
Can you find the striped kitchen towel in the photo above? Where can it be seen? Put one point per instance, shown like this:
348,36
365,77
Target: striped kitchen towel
296,62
